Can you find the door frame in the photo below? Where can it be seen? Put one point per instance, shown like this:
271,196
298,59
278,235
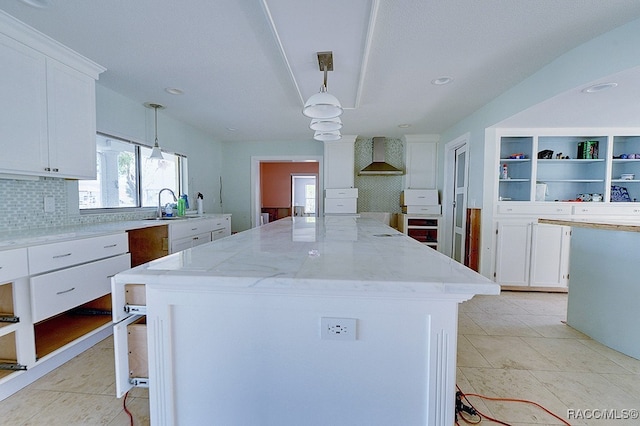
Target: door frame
448,192
256,196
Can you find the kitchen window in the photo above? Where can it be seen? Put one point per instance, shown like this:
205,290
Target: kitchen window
127,178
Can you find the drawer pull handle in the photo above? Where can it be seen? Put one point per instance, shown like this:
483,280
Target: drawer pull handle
61,255
194,229
110,245
66,291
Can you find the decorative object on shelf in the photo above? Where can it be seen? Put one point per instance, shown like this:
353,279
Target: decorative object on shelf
324,106
627,176
545,154
156,153
587,150
619,194
518,156
505,172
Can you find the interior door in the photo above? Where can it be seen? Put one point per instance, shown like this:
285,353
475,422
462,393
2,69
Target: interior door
460,202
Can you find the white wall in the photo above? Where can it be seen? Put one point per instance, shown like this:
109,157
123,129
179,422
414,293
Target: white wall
607,54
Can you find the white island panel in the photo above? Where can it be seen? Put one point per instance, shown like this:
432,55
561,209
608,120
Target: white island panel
234,327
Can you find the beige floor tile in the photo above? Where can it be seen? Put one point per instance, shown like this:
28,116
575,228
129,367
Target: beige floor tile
78,409
24,404
510,352
551,326
90,372
514,384
587,392
468,326
139,409
468,355
573,355
501,325
629,363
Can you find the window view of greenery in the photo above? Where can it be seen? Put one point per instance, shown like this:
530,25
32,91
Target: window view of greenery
127,177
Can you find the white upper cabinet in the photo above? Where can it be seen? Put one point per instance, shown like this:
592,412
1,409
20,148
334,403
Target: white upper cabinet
23,108
47,107
421,155
339,163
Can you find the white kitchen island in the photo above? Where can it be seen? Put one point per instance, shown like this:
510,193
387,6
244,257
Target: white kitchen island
332,321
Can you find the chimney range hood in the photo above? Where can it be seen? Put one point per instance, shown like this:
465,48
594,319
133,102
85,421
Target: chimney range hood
379,166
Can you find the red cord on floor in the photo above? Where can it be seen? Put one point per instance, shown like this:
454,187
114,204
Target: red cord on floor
126,410
506,400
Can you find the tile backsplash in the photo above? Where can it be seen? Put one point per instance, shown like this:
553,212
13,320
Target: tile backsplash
379,193
23,202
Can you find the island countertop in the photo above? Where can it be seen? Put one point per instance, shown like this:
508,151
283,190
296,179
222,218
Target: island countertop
611,224
301,254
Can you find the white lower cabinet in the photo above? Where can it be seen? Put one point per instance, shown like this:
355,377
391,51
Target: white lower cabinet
531,254
130,346
55,302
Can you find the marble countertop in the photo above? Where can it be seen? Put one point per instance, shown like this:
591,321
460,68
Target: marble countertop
30,237
612,224
313,256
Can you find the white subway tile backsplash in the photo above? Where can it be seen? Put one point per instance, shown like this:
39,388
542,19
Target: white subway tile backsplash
22,206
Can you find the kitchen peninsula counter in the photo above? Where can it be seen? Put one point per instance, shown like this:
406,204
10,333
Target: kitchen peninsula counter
604,290
339,320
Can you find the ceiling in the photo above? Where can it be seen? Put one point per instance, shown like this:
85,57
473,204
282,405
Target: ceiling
247,66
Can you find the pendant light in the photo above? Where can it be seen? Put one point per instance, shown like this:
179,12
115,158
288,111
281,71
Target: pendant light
323,105
326,125
156,153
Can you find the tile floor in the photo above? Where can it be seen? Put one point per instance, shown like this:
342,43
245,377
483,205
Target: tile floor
516,346
510,346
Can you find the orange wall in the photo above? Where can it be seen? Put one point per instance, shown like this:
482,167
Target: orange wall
275,181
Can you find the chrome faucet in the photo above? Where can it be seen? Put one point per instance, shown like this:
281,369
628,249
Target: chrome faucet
160,205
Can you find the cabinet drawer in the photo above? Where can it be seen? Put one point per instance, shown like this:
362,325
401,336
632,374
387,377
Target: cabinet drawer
422,209
220,233
604,209
190,242
419,197
341,193
13,264
220,223
340,205
49,257
535,209
131,360
190,227
60,291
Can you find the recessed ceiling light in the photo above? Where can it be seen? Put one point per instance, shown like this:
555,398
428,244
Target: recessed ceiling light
404,126
599,87
37,3
441,81
231,129
173,91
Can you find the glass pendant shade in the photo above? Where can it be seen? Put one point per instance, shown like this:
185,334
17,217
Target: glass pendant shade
156,153
326,125
322,105
327,136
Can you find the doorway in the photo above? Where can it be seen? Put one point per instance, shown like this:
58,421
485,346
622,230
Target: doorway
455,197
304,195
289,165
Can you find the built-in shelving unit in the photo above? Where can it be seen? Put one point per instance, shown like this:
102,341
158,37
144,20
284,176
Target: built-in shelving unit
421,228
554,168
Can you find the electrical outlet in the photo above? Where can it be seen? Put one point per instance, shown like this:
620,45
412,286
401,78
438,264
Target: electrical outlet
338,328
49,204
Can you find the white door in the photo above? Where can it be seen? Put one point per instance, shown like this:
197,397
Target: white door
459,202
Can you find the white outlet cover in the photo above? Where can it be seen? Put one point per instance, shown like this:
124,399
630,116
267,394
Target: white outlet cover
49,204
338,328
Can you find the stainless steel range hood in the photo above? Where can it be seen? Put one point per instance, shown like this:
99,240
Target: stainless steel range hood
379,166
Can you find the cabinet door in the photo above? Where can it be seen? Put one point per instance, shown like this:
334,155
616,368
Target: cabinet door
421,160
23,112
550,255
339,160
72,122
513,253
